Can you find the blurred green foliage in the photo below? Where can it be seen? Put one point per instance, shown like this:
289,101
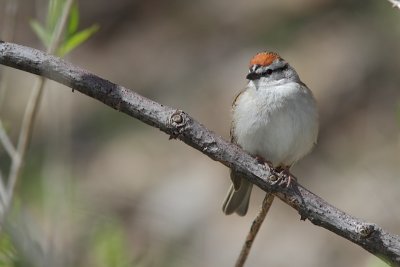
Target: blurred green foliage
107,246
376,262
72,37
8,257
110,246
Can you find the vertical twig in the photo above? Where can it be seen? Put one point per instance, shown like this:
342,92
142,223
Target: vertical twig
255,226
6,142
33,107
3,194
24,135
7,33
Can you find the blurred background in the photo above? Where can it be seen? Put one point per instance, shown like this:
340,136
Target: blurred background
102,189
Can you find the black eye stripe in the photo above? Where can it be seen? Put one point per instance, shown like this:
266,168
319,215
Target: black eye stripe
270,71
266,72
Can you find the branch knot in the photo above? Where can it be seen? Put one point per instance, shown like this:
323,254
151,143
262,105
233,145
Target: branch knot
177,121
365,230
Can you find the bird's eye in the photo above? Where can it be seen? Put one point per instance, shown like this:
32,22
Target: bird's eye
268,71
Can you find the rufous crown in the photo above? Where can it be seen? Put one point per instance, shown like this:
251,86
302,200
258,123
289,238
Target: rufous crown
264,58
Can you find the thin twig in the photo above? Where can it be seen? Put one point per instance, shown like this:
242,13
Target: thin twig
57,35
180,125
255,226
7,33
6,142
3,195
33,107
24,136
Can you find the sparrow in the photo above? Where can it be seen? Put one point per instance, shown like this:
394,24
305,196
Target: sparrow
274,119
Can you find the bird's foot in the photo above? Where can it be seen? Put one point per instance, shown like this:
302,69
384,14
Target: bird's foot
290,177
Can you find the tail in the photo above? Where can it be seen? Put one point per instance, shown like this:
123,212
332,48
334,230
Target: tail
238,200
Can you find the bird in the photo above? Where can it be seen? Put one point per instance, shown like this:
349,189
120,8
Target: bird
274,119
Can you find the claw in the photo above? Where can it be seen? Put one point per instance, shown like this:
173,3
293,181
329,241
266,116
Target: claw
290,177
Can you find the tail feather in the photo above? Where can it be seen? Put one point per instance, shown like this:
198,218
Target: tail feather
238,200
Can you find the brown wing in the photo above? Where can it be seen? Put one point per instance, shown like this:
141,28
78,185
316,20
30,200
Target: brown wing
232,131
235,177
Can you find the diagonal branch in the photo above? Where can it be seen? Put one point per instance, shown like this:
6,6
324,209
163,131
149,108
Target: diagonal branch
180,125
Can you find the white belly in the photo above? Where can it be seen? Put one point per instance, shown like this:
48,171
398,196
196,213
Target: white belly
279,124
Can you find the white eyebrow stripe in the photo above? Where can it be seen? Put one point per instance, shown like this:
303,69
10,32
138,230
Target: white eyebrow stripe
254,68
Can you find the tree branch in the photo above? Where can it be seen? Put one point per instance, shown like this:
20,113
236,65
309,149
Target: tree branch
180,125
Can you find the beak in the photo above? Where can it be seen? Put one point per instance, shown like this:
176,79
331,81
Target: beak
253,76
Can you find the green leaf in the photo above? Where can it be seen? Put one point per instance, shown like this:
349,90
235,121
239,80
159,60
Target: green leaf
41,32
73,20
76,40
